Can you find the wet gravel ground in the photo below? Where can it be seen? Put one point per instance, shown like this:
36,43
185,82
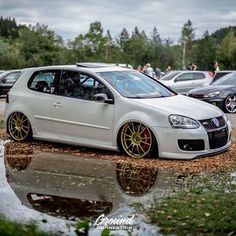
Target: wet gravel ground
221,161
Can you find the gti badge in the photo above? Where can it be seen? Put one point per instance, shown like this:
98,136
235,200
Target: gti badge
216,122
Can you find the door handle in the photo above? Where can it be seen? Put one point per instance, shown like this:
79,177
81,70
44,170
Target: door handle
57,104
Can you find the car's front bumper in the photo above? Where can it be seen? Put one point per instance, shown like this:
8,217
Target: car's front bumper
167,139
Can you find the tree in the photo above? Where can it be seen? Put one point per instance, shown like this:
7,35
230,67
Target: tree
91,46
123,38
204,52
38,46
187,36
155,48
227,51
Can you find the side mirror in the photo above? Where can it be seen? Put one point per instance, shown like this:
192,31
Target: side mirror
102,97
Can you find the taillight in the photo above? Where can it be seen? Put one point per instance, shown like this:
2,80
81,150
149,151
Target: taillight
7,98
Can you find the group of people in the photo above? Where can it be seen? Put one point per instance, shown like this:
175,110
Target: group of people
148,70
191,66
156,72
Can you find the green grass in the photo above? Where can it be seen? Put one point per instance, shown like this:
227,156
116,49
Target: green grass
9,228
1,124
208,208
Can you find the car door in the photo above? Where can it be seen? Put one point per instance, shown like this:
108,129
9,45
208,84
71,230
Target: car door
200,79
183,83
77,116
43,85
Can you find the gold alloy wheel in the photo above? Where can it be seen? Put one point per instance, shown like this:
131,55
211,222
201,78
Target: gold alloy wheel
18,126
136,139
136,180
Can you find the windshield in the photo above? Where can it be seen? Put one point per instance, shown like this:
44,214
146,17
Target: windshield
170,76
133,84
229,79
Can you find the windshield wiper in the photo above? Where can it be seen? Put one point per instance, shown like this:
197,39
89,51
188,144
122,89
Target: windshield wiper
146,97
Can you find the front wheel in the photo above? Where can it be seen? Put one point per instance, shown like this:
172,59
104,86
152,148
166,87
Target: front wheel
137,140
19,127
230,104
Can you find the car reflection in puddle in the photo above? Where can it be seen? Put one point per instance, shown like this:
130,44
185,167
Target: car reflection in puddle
69,187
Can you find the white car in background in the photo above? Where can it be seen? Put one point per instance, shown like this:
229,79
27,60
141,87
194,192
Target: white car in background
108,107
183,81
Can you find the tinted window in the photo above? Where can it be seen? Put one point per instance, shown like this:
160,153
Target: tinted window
184,77
170,76
44,81
11,78
219,75
133,84
229,79
197,76
82,86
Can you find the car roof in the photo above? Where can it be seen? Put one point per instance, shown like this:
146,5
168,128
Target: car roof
85,67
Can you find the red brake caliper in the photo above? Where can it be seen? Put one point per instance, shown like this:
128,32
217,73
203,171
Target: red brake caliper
146,136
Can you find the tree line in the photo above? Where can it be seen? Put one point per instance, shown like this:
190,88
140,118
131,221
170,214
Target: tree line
28,46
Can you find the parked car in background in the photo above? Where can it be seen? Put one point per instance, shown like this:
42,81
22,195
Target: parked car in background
113,108
183,81
1,71
220,74
7,79
221,93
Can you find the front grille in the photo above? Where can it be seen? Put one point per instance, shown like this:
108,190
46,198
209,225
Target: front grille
193,95
214,123
218,138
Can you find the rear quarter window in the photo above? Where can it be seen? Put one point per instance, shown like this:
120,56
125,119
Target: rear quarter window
44,81
197,76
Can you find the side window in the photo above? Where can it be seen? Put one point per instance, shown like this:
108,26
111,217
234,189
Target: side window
184,77
11,78
44,82
198,76
81,86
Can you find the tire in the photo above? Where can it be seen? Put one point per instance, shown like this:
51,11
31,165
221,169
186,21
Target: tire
137,140
230,103
18,126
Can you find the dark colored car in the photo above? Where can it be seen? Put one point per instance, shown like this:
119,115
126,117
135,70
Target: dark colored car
221,93
221,74
7,79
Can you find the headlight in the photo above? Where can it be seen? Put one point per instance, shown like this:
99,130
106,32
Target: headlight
212,95
183,122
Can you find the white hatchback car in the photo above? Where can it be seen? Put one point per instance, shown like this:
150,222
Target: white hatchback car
113,108
183,81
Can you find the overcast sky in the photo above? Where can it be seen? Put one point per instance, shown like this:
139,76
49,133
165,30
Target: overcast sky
69,18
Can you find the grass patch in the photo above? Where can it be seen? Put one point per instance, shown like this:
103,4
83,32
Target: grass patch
208,208
1,123
9,228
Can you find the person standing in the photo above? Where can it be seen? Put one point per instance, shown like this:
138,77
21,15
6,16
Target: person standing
215,68
149,70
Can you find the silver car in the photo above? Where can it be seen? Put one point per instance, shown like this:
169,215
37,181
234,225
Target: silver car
183,81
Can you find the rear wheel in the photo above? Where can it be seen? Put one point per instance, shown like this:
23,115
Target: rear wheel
137,140
19,127
230,104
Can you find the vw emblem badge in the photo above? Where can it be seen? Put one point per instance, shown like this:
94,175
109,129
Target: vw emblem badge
216,122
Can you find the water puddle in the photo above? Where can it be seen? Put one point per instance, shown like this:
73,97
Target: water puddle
56,189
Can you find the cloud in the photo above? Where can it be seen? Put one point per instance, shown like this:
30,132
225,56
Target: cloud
72,17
